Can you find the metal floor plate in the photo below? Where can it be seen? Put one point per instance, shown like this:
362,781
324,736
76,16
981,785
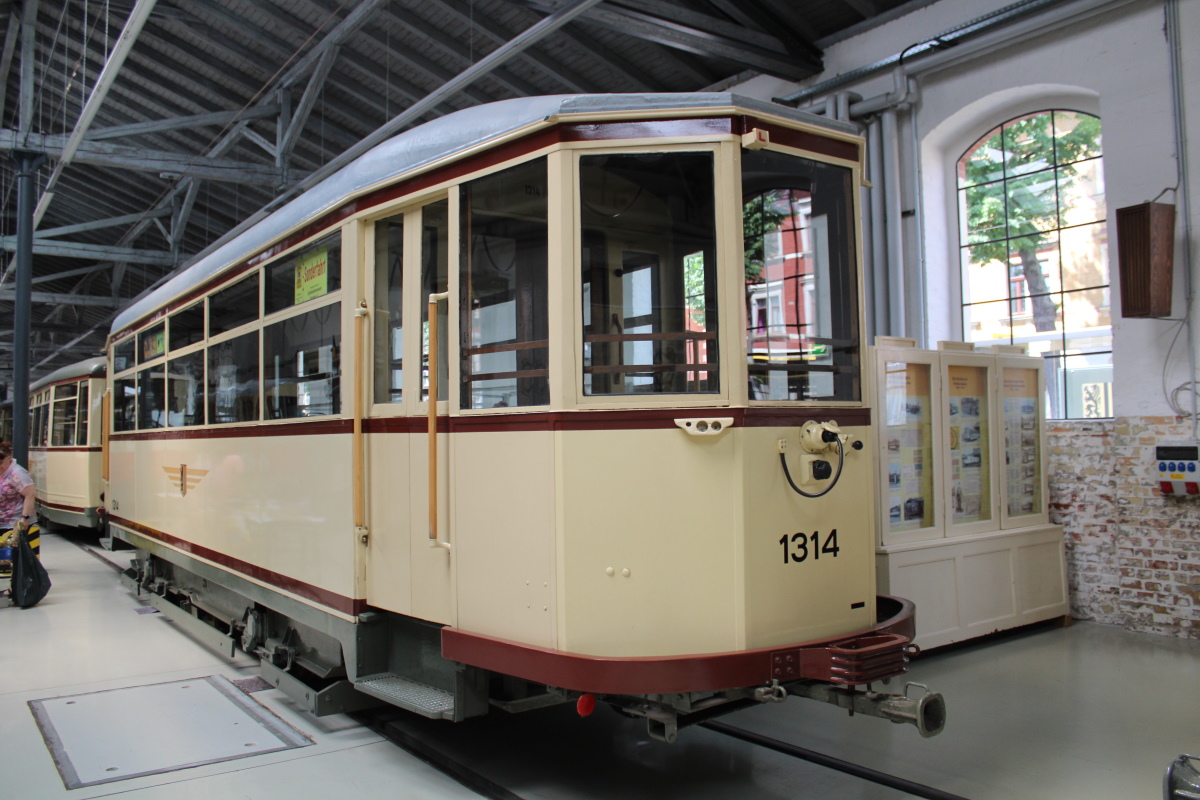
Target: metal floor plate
114,735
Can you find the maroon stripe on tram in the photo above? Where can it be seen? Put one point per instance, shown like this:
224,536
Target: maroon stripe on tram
325,597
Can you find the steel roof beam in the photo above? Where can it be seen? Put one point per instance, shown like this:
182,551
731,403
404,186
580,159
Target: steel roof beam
181,123
51,298
92,251
120,51
300,116
7,52
311,60
99,224
28,61
758,15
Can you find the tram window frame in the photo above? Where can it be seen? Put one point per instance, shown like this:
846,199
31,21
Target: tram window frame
124,404
151,343
276,342
843,349
595,249
124,354
246,403
185,410
388,291
82,414
283,289
186,327
229,305
64,414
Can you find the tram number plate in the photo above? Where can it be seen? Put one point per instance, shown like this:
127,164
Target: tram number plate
799,547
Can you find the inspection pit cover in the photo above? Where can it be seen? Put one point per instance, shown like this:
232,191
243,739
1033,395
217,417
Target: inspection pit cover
114,735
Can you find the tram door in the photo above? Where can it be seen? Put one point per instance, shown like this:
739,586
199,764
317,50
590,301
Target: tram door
406,573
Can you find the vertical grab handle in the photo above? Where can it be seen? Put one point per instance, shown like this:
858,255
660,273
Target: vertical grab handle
434,299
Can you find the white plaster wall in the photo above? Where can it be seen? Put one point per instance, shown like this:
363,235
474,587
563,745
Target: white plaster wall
1114,63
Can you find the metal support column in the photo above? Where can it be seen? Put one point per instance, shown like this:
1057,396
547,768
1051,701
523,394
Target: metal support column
27,165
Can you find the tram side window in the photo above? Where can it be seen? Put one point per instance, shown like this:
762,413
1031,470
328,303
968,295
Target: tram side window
389,310
187,327
435,276
151,400
125,404
305,275
801,286
302,377
233,306
233,380
123,354
39,424
185,390
152,343
649,274
81,420
505,324
62,429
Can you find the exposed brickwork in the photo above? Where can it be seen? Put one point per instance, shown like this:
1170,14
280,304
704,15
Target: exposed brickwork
1133,555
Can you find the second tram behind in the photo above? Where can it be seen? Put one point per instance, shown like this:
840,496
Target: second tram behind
640,479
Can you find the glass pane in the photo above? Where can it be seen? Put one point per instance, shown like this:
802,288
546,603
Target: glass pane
985,273
124,404
970,457
984,161
123,354
1085,314
1085,256
981,213
233,380
1032,203
152,343
63,391
909,437
650,272
1077,136
1022,445
62,430
1034,265
1040,326
305,275
505,327
234,306
987,323
435,271
1081,192
389,310
185,390
801,320
1080,387
81,435
187,327
301,371
151,400
1028,144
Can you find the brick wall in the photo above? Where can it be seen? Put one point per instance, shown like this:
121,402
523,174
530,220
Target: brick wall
1133,555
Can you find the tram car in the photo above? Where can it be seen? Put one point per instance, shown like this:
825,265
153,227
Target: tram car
555,399
65,436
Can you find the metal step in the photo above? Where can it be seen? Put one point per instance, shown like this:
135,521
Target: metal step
409,695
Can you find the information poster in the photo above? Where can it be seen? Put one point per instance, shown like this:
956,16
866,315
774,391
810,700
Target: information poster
970,465
1022,455
909,446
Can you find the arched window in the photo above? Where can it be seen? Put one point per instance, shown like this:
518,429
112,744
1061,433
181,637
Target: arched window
1034,252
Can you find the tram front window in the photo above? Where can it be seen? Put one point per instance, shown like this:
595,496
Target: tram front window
800,268
649,273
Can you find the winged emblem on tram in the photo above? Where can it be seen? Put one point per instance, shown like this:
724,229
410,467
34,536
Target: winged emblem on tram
184,478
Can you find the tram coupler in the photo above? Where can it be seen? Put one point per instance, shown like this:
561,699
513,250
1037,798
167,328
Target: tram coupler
927,712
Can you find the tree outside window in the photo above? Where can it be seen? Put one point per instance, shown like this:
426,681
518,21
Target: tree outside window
1033,238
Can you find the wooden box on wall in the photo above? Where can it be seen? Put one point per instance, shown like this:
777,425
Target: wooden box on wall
1146,258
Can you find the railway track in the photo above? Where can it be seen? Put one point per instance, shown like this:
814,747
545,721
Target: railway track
413,737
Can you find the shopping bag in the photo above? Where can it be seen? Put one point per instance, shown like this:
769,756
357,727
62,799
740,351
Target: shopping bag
30,583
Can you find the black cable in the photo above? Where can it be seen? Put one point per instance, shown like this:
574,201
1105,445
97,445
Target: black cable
857,770
788,474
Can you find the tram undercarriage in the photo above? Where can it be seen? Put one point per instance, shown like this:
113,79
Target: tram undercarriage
330,666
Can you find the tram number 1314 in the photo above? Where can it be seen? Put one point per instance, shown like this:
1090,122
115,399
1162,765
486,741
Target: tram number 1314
799,546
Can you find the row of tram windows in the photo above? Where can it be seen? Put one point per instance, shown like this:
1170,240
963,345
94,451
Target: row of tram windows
58,416
649,288
203,364
649,281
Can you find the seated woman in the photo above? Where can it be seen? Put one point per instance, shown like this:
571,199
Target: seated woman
17,495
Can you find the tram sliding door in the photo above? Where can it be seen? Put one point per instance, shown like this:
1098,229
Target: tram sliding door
405,572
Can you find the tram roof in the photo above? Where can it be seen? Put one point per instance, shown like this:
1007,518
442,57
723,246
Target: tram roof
421,147
88,368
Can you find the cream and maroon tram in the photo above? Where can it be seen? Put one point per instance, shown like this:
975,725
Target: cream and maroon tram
641,478
65,437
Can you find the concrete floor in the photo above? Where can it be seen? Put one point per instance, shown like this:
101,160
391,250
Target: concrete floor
1057,713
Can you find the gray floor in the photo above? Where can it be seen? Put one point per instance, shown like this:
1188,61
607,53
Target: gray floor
1057,713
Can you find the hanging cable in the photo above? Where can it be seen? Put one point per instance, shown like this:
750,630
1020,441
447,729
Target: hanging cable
841,462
